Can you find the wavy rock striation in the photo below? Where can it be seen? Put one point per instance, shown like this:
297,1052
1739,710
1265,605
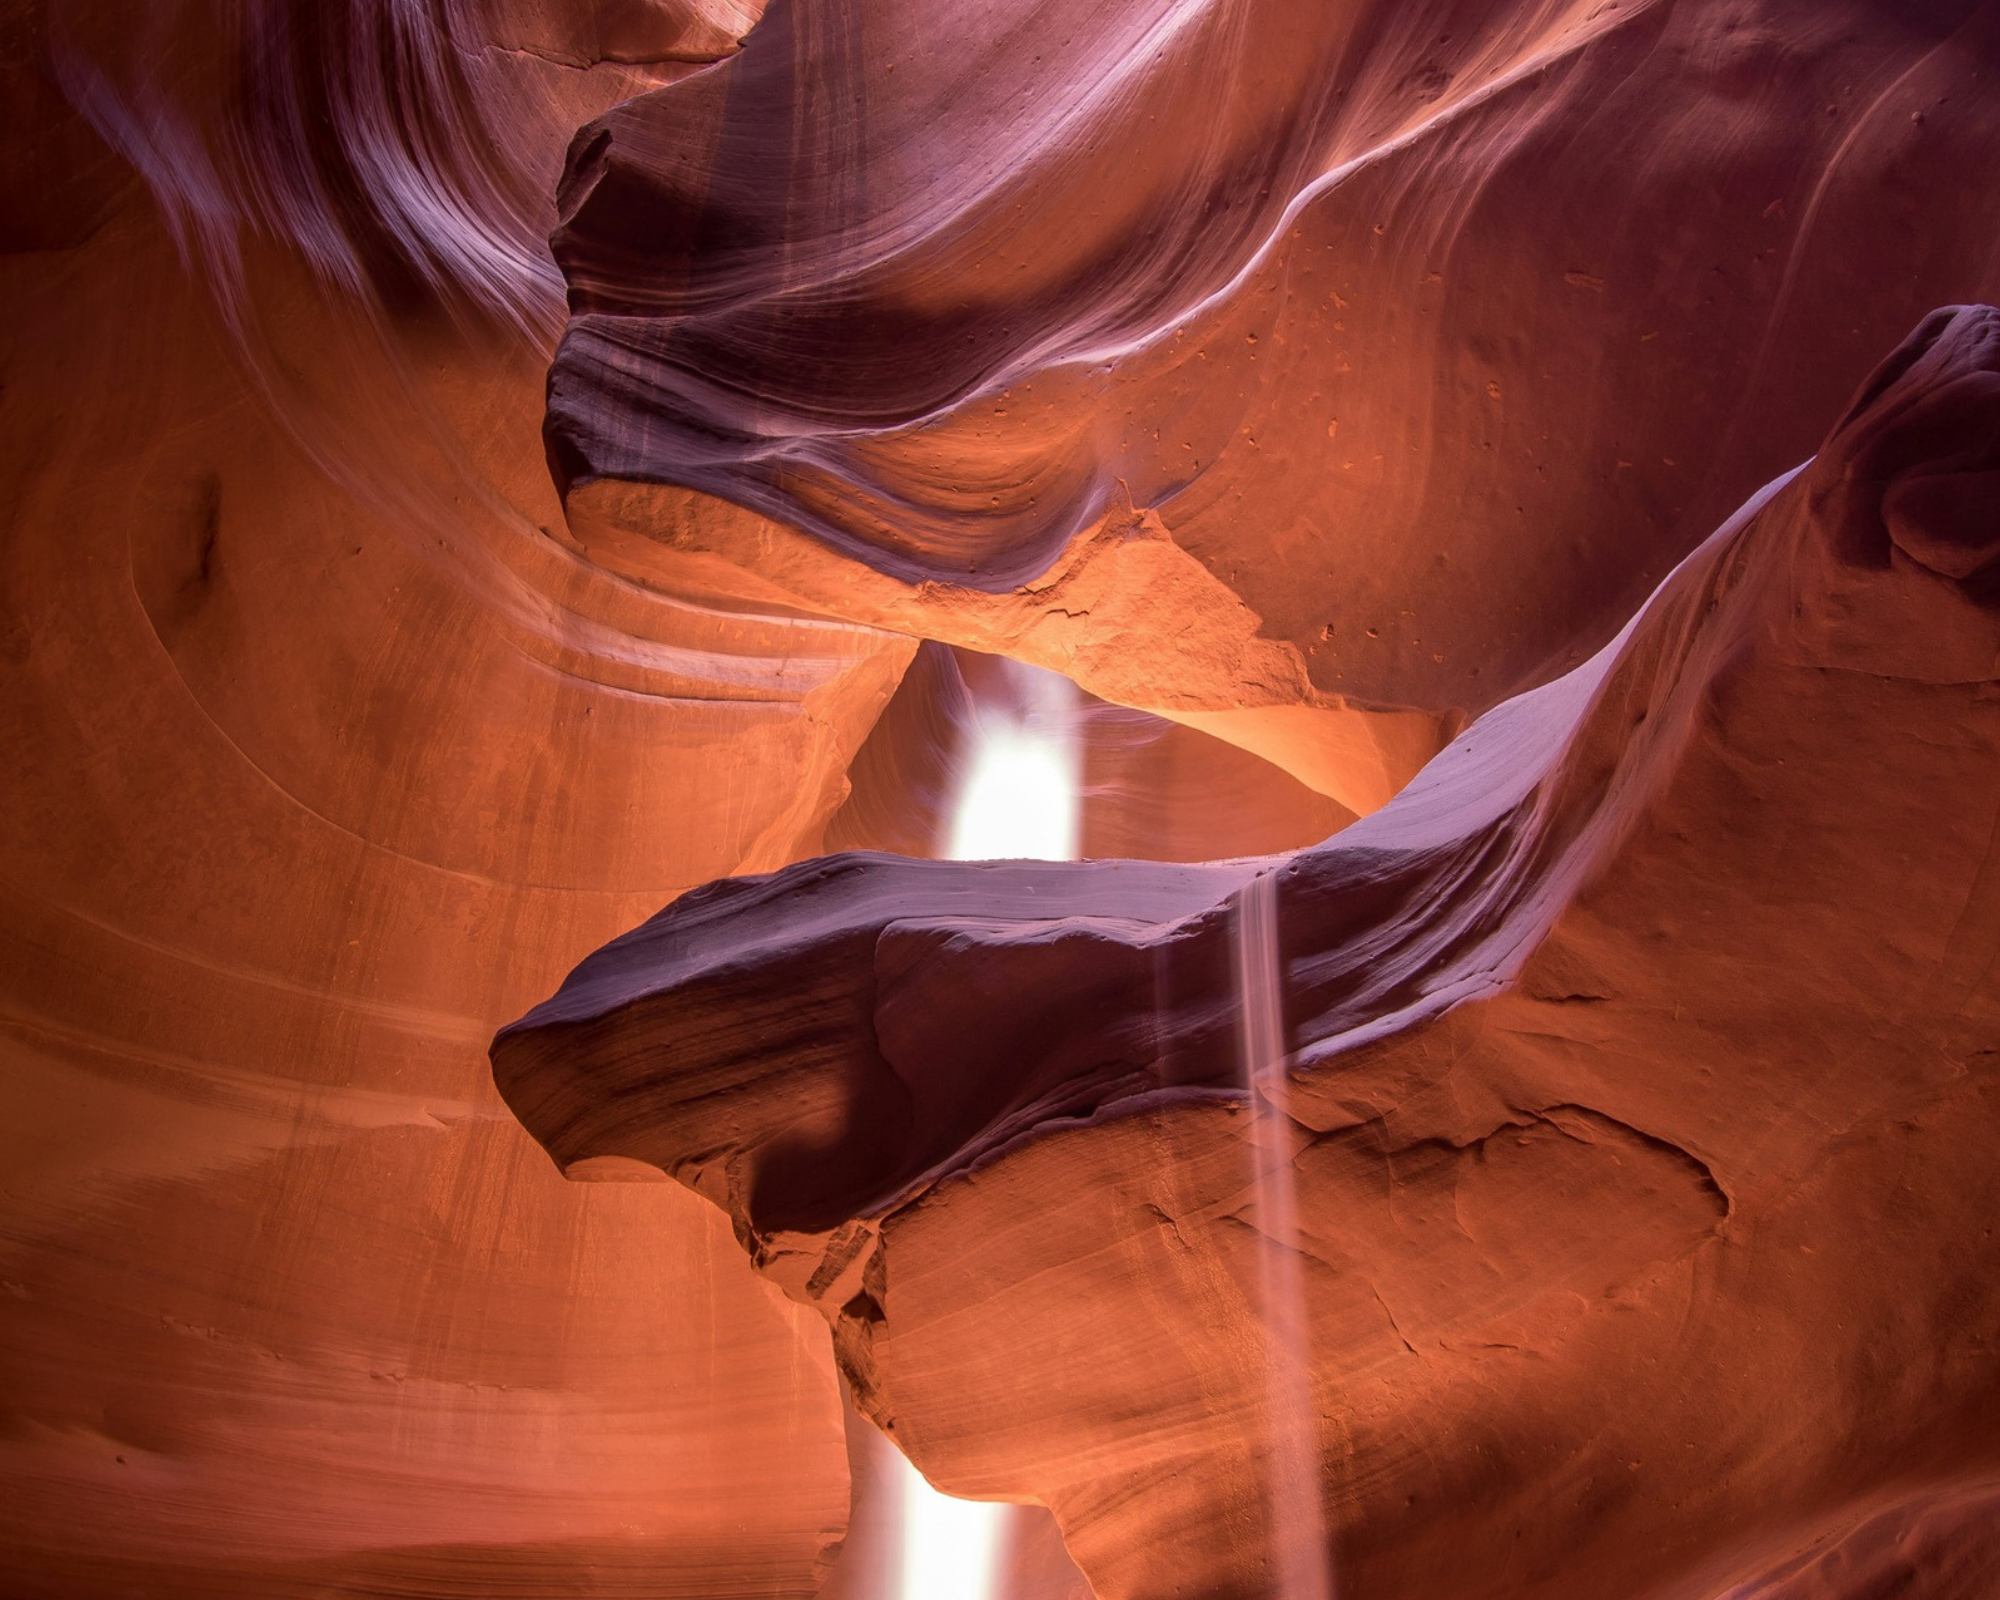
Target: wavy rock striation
325,757
331,745
1638,1091
1302,408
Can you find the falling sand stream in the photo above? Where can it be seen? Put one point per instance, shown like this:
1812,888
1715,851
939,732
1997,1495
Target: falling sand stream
1297,1533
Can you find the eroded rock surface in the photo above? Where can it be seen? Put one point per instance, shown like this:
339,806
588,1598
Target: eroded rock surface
324,758
1638,1094
1314,371
331,744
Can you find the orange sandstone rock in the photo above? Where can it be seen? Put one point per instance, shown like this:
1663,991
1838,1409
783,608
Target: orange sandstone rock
1637,1090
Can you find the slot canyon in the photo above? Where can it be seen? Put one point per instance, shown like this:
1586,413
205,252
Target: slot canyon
1000,800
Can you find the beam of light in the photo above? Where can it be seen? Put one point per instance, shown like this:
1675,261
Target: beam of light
1019,799
1297,1533
951,1548
1020,795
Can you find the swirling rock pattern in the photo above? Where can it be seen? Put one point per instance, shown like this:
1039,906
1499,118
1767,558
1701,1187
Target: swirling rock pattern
328,752
1382,317
1638,1087
330,743
323,759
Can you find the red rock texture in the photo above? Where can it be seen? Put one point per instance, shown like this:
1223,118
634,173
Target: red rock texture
336,731
1423,363
1637,1088
323,759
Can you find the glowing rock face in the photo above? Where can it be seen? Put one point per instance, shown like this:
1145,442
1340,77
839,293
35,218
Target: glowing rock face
322,761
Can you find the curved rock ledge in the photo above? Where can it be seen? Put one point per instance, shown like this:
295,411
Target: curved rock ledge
1639,1094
